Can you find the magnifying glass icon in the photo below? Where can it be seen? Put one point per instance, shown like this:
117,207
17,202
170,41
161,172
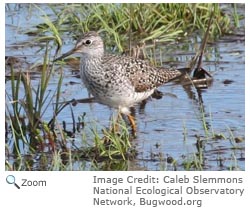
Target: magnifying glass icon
10,179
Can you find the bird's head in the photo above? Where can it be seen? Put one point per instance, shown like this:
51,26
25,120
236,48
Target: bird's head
89,45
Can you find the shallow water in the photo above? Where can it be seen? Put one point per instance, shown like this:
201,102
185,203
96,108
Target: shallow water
168,128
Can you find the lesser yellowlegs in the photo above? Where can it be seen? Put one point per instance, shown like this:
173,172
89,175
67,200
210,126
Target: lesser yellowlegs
117,81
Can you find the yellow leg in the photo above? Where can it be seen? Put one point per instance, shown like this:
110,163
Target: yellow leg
132,123
131,119
114,123
113,126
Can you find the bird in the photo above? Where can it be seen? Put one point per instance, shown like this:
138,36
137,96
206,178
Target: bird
118,81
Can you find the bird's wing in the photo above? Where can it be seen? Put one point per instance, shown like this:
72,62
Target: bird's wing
140,73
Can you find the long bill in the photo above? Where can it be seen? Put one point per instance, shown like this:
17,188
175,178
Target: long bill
65,55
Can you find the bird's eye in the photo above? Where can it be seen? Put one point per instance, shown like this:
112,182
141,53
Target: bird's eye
88,42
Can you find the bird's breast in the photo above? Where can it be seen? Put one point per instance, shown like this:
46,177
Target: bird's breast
110,86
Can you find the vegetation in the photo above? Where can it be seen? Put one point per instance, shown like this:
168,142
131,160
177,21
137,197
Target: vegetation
128,25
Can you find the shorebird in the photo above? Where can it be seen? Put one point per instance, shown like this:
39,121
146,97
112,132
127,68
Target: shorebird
118,81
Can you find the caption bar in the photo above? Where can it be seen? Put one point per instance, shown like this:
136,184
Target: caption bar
165,190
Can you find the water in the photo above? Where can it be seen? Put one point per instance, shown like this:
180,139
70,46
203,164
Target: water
168,128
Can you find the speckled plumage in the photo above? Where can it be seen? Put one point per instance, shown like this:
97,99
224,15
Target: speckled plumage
117,81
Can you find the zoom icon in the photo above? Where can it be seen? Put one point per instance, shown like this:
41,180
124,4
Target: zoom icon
10,179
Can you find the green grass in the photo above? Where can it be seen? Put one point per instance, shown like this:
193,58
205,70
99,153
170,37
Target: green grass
127,25
25,113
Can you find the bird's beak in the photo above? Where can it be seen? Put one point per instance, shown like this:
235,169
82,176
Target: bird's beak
74,50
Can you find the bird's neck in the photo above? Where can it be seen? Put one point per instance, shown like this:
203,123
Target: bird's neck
93,54
87,58
90,63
